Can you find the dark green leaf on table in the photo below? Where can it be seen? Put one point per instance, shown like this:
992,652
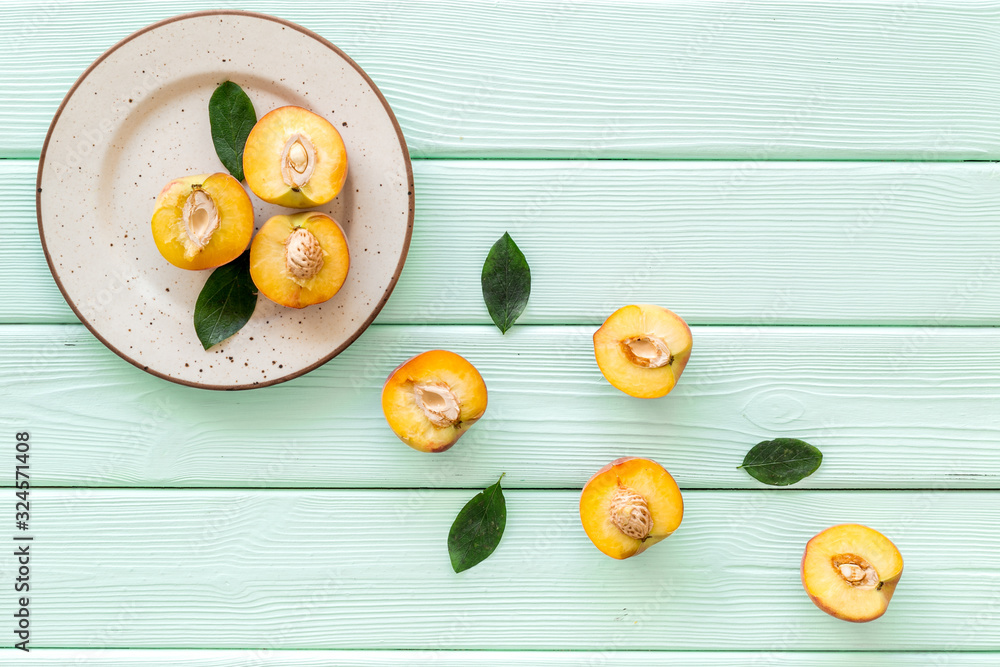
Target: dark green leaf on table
782,461
506,282
478,528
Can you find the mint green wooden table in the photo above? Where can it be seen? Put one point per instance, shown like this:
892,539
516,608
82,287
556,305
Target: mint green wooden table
811,185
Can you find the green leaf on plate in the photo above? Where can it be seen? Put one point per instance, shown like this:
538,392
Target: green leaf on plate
782,461
478,528
226,302
232,116
506,282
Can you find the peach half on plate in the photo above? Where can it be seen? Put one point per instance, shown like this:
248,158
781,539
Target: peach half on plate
642,350
431,400
630,505
850,571
300,260
202,221
295,158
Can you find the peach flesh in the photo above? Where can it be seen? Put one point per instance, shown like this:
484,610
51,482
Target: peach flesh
850,571
296,158
433,399
629,505
642,350
300,260
203,221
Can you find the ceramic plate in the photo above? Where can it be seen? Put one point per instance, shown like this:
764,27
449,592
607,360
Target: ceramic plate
137,118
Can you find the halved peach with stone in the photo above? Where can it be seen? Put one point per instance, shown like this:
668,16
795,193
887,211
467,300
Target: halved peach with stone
432,400
295,158
203,221
299,260
850,571
642,350
630,505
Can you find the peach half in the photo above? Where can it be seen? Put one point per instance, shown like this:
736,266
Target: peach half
299,260
850,571
203,221
630,505
432,400
295,158
642,350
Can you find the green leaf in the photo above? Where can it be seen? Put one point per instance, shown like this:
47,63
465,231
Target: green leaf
782,461
226,302
232,116
478,528
506,282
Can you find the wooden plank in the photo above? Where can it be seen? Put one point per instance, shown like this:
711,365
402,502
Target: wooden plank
906,408
777,79
348,658
720,243
365,569
19,229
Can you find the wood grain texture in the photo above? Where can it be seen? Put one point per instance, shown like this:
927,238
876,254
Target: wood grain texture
355,658
779,79
158,576
718,242
906,408
369,569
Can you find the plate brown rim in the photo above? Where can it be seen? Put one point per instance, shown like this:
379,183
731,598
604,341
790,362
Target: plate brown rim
409,176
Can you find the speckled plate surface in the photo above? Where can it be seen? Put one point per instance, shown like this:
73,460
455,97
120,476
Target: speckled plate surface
137,118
